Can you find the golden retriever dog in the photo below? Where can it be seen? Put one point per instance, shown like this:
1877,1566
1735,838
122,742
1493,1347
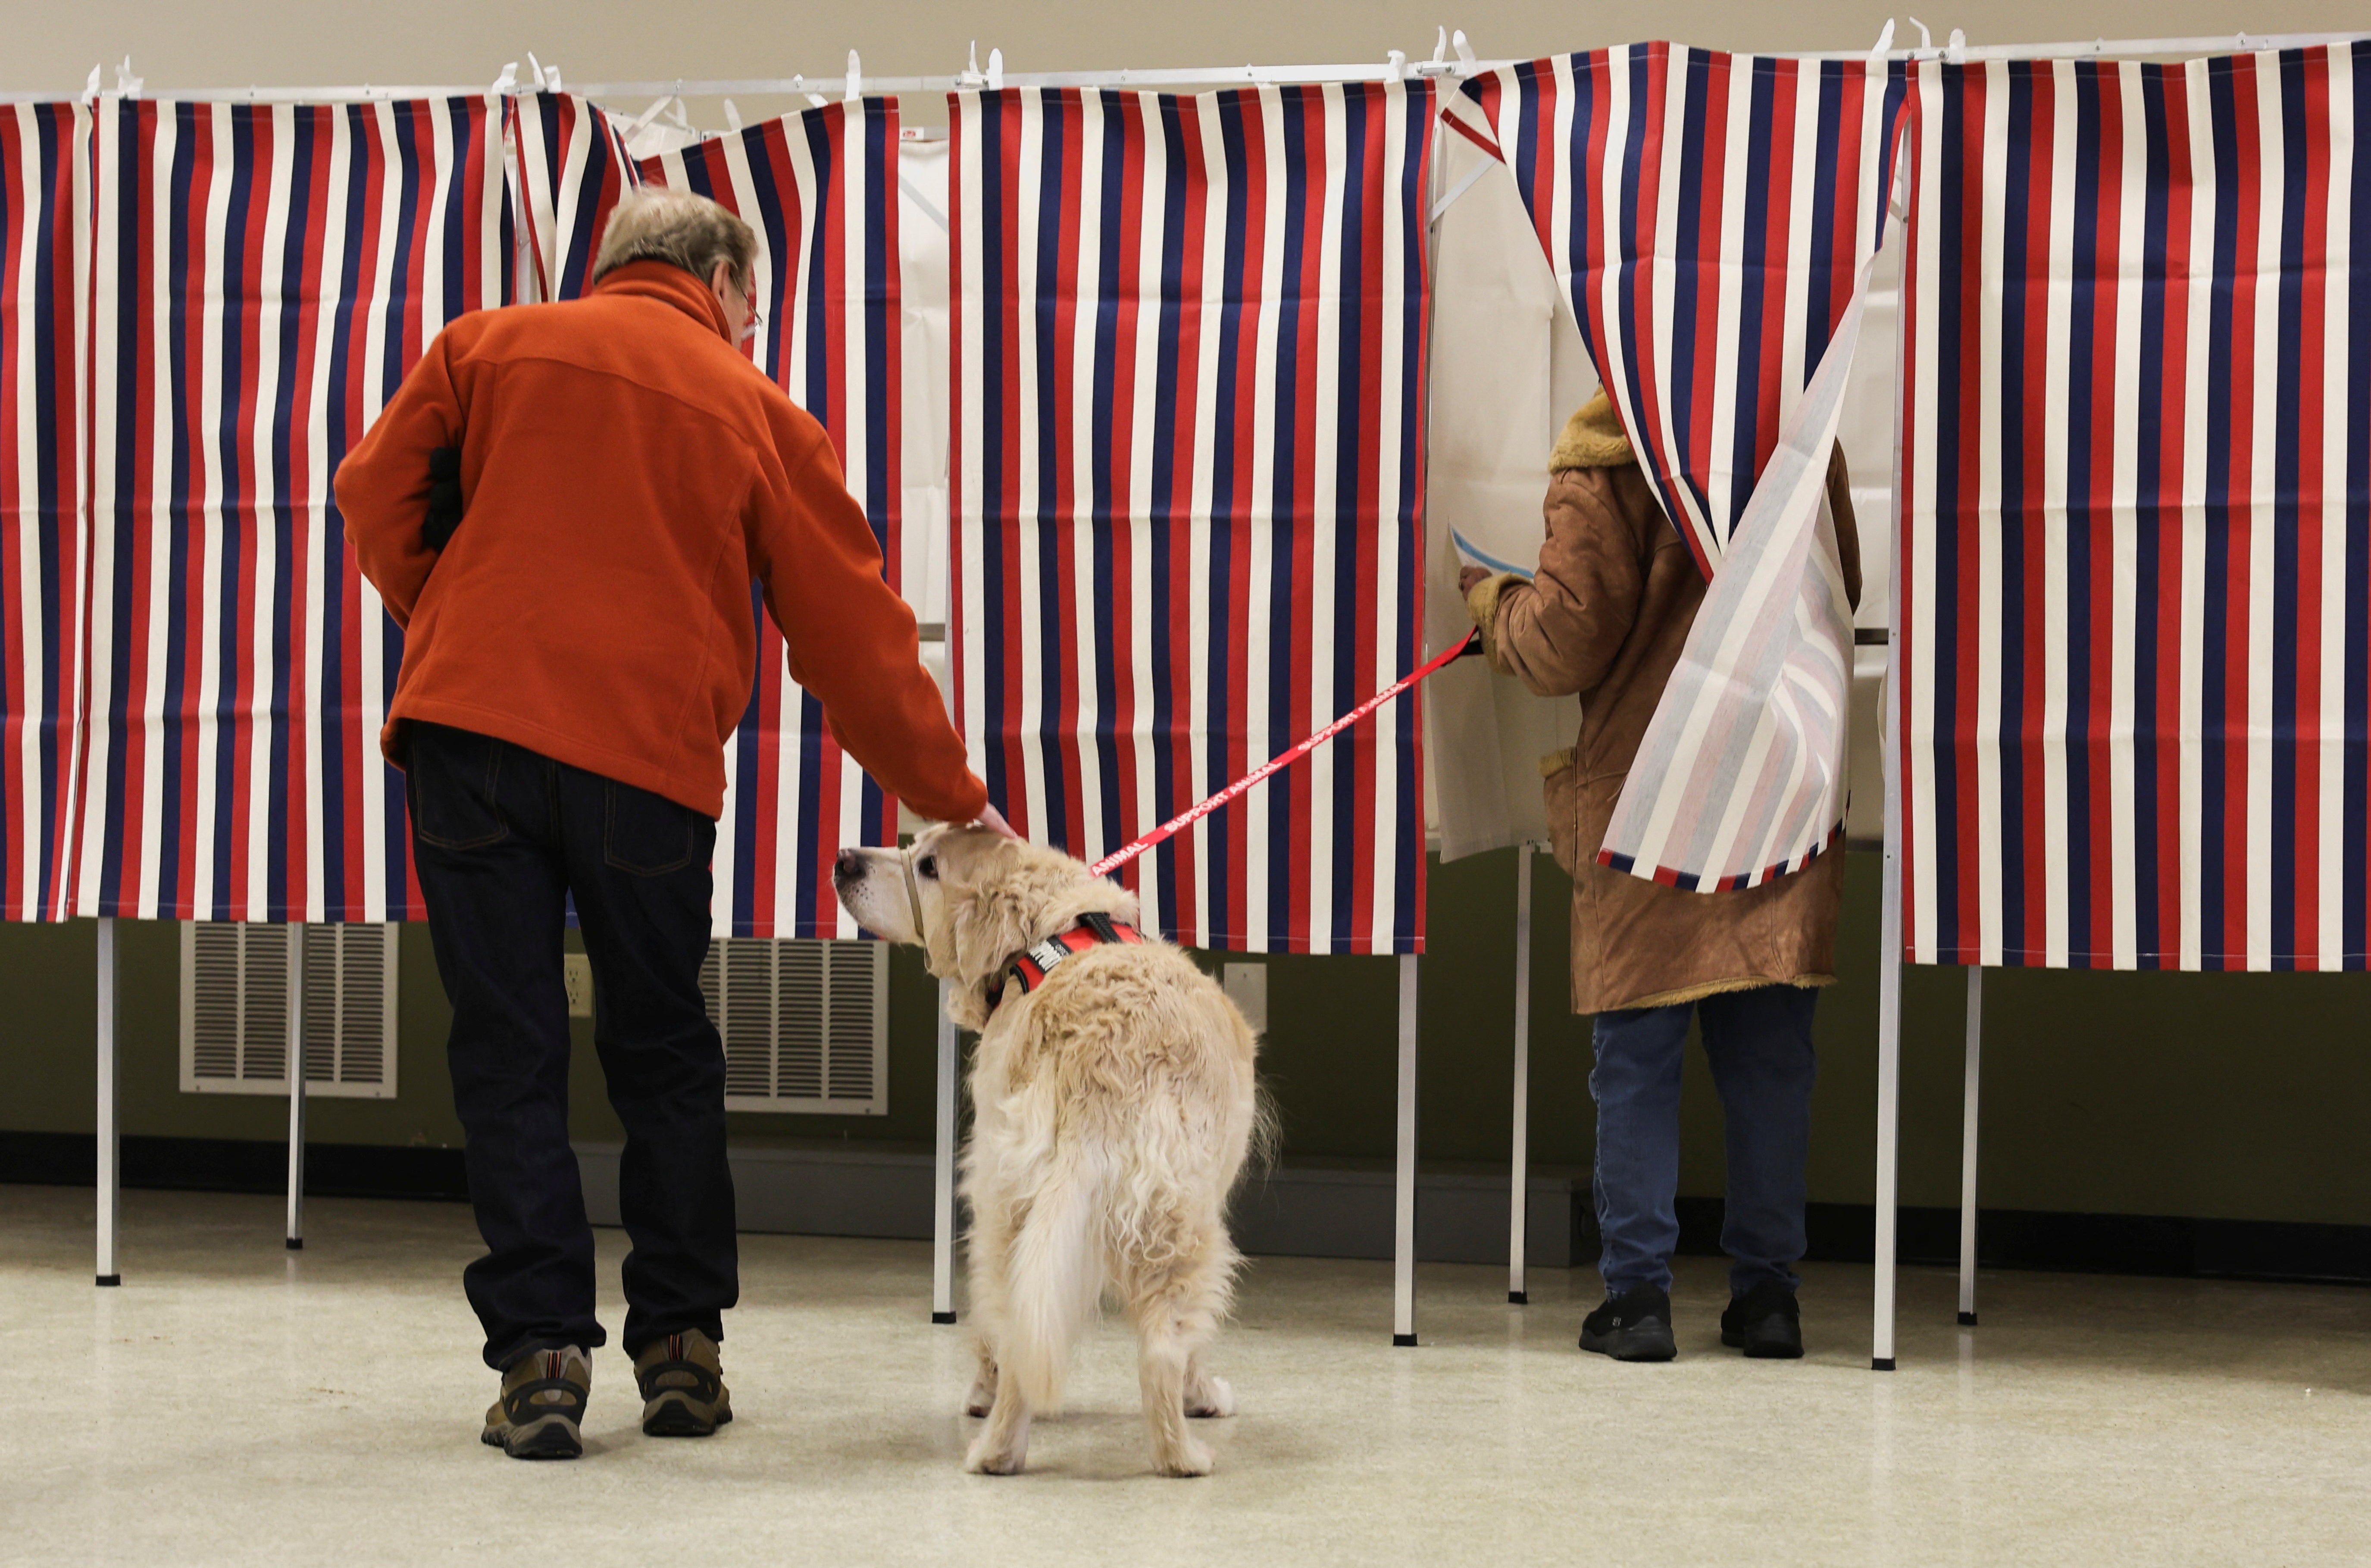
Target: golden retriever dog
1112,1108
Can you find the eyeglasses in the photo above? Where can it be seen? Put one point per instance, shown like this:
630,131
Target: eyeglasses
756,317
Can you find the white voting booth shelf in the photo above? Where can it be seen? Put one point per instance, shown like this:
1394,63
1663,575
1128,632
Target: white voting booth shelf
1497,397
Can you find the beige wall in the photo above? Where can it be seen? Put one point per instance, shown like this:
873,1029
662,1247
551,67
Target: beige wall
52,45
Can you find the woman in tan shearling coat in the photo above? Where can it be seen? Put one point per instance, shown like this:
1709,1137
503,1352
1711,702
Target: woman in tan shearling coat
1605,619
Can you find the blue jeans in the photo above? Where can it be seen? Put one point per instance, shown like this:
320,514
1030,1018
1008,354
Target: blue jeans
1758,1043
502,836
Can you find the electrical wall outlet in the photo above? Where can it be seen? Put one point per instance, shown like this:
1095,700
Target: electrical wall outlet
578,971
1246,986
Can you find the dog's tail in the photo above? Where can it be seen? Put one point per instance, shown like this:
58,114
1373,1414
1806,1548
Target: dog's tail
1054,1282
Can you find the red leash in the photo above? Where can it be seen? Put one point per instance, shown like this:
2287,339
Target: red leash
1194,814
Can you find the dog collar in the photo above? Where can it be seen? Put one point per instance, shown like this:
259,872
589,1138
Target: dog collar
1029,969
914,898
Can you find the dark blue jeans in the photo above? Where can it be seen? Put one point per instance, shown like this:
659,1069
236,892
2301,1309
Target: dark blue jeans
1758,1043
502,836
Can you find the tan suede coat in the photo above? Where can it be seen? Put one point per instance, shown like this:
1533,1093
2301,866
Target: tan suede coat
1605,619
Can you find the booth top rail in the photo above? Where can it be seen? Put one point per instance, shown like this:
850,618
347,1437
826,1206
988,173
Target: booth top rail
1192,76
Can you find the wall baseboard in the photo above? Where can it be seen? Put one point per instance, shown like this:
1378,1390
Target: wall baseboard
1290,1212
236,1165
1317,1212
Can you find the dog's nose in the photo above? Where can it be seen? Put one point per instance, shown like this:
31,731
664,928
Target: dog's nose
847,868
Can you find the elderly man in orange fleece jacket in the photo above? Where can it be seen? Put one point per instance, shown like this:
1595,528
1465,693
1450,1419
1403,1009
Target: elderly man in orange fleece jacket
564,507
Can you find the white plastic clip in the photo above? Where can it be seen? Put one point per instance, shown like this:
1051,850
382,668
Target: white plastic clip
1884,44
995,70
1955,48
1395,67
1926,39
1439,65
126,83
969,77
507,83
90,87
1466,63
855,79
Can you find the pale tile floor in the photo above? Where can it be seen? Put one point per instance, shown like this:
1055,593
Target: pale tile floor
231,1403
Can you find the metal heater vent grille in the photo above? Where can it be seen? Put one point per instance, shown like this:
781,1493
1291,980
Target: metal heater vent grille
805,1024
235,1009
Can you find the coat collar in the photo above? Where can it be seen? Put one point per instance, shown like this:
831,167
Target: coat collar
669,283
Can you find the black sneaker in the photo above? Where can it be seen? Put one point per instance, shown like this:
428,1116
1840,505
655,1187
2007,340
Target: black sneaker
1634,1326
1764,1322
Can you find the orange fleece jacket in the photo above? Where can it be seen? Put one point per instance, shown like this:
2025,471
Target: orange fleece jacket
626,473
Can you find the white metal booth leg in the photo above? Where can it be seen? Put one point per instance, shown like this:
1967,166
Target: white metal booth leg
1403,1216
943,1205
296,1085
110,1166
1889,1108
1519,1174
1968,1149
1888,1013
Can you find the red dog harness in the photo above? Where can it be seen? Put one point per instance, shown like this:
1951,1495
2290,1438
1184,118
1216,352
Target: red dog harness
1030,969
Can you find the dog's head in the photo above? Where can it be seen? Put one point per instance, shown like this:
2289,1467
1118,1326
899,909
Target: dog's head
971,899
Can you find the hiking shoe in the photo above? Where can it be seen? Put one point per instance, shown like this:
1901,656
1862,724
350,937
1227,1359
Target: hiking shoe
1764,1322
682,1381
1634,1326
542,1406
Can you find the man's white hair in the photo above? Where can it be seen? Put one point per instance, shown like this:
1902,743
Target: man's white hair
676,226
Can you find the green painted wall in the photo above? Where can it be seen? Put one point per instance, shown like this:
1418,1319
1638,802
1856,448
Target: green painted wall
2235,1096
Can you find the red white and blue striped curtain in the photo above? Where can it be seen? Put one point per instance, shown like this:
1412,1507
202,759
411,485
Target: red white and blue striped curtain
568,166
2136,540
44,236
821,190
1710,218
263,277
1188,482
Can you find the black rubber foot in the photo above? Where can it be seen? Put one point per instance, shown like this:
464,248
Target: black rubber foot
1881,1363
1403,1338
943,1317
1967,1319
1518,1299
111,1279
296,1244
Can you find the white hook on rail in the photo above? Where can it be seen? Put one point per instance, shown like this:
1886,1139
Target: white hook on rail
90,87
125,82
971,76
1441,64
995,70
855,79
507,83
1884,44
642,121
1955,49
1926,39
1396,66
1466,63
